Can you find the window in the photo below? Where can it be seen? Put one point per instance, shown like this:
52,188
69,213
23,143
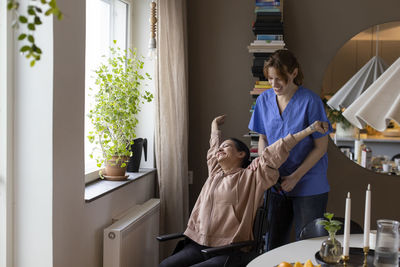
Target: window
106,20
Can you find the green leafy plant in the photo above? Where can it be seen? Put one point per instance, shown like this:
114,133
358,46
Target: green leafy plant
31,20
117,103
336,116
332,226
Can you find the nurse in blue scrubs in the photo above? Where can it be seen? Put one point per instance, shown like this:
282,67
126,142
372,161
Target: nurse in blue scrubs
288,108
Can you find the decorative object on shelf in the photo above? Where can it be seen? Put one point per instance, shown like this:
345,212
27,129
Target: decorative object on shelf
360,81
153,28
331,249
32,20
118,100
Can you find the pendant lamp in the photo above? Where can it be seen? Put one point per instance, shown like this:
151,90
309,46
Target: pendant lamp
380,103
360,81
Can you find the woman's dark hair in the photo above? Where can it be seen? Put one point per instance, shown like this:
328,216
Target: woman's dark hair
240,146
284,62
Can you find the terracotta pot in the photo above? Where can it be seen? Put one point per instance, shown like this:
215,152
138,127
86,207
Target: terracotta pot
113,169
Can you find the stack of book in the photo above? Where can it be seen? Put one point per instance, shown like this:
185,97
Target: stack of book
268,29
260,87
268,17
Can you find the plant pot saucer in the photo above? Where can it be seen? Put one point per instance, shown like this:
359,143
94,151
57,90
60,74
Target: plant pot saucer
116,178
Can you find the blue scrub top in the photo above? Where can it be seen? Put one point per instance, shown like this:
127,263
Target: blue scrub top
303,109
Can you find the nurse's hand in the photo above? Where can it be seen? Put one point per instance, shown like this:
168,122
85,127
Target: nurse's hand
289,182
254,164
319,126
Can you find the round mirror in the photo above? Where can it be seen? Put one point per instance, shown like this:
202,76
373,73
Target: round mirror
358,64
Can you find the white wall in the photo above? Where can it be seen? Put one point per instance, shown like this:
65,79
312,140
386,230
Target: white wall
33,125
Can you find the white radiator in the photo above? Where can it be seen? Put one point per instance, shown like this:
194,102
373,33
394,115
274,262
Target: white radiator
131,240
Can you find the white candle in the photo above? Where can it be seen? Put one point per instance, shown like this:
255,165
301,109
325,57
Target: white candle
347,226
367,216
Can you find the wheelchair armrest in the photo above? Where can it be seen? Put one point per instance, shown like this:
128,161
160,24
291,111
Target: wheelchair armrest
210,252
170,236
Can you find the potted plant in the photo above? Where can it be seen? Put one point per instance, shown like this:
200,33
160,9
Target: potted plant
342,125
113,116
331,249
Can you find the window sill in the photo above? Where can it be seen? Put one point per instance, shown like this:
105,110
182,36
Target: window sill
99,188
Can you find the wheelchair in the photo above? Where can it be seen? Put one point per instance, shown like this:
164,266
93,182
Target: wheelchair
254,248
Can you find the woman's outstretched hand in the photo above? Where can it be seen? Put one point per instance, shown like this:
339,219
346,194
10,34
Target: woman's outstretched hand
320,126
217,122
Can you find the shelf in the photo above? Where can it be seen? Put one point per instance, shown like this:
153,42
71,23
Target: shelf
368,138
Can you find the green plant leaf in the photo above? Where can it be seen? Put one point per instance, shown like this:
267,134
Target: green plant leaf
38,9
22,19
37,21
31,11
31,39
31,26
25,48
49,12
22,36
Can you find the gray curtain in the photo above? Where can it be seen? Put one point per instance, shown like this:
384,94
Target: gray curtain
172,119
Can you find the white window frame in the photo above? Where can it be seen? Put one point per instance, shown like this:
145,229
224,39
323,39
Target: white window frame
94,175
6,136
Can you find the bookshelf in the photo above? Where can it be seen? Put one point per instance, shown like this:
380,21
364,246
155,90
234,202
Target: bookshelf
268,32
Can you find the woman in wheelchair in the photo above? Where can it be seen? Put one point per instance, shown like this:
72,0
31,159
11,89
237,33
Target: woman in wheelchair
225,209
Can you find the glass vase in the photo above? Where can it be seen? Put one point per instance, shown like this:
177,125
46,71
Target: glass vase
331,250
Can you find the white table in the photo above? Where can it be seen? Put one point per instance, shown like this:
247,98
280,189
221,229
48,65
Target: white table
299,251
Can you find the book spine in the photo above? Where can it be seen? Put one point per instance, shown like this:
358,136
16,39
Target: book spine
263,49
269,37
268,42
269,9
263,83
262,86
267,4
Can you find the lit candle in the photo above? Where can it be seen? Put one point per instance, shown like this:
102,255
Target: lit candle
347,226
367,216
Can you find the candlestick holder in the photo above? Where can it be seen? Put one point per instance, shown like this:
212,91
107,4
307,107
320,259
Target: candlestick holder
366,250
345,259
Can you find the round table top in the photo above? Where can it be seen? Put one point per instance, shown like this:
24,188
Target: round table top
300,251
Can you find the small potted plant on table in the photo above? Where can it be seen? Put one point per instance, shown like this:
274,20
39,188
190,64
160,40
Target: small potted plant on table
113,116
331,249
